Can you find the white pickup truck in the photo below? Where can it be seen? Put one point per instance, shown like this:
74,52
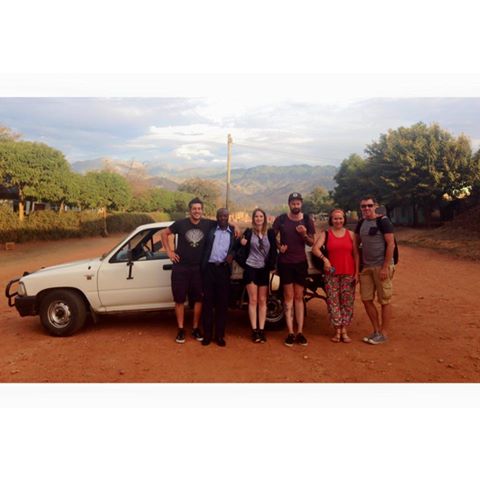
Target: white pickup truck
132,277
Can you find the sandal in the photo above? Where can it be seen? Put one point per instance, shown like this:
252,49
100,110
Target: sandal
337,338
345,338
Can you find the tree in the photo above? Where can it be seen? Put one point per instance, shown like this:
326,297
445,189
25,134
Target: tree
352,182
420,165
105,191
475,190
207,190
160,200
318,200
38,171
71,191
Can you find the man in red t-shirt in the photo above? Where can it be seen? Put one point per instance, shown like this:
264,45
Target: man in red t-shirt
296,230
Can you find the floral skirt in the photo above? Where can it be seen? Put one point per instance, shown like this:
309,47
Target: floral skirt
340,290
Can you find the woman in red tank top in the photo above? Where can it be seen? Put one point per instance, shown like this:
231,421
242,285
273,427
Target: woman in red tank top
341,273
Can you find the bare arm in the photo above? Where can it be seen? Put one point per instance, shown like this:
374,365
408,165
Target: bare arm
164,234
357,240
356,254
236,229
390,241
318,245
390,246
281,247
318,253
309,239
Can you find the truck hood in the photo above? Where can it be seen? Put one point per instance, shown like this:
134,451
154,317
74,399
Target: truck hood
90,265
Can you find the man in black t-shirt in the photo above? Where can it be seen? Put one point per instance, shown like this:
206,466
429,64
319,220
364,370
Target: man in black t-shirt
187,258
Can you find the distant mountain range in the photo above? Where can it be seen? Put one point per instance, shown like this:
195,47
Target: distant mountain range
263,185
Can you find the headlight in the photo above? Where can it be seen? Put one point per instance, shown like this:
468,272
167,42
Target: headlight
22,291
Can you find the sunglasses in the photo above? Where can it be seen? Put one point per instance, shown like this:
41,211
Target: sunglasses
367,205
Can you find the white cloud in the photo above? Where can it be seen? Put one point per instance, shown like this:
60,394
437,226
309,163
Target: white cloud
193,151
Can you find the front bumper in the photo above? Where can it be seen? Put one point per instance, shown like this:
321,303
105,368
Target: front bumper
26,306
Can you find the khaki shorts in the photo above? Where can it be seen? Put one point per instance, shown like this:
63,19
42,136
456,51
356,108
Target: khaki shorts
370,282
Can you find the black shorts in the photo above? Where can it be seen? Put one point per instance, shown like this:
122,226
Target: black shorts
293,273
259,276
187,280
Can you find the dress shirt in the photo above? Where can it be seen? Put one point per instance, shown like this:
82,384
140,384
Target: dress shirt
221,245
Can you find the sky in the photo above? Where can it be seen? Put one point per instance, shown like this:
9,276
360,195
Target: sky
186,132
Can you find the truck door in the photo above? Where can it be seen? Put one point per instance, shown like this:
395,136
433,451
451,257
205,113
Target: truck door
137,276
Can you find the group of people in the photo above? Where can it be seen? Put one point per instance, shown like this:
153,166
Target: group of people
202,266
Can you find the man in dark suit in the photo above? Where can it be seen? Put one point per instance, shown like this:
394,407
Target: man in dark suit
216,269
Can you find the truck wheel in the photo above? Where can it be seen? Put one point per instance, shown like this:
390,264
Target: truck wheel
62,312
275,313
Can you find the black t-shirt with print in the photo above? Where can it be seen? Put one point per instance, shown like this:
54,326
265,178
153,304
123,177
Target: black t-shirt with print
191,239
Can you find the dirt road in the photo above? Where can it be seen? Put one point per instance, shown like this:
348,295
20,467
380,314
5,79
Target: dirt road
434,337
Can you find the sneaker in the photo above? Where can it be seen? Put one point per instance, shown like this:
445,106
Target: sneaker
300,338
255,336
206,341
180,336
197,334
377,339
290,340
261,336
221,342
367,339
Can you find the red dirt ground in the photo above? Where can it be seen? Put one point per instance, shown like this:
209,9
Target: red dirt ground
434,336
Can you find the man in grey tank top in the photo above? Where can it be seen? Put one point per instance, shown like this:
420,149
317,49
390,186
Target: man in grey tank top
378,269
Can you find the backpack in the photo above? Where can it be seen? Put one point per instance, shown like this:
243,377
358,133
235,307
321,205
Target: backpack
318,263
380,227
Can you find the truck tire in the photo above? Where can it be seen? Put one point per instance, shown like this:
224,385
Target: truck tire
275,313
62,312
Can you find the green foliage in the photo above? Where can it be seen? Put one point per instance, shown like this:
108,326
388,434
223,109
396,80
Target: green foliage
160,216
39,171
420,164
475,192
207,190
104,190
72,189
159,199
352,182
9,224
318,200
48,225
125,222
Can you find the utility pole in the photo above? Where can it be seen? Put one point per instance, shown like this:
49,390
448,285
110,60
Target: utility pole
229,159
